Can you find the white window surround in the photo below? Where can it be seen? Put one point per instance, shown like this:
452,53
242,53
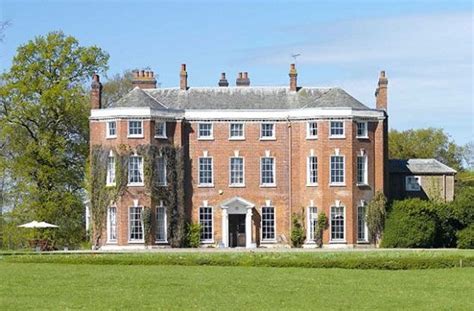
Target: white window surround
205,185
273,136
268,185
160,129
135,135
161,209
268,240
111,226
362,238
208,240
130,240
311,127
140,171
365,176
343,135
412,183
236,185
312,224
235,137
338,184
162,180
365,129
200,131
108,129
336,241
309,174
110,170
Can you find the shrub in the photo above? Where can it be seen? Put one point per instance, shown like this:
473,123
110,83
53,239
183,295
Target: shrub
322,225
193,237
466,237
446,225
376,211
411,223
297,231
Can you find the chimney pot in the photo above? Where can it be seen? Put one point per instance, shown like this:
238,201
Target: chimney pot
144,79
223,81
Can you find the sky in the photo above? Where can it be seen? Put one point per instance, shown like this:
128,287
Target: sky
426,47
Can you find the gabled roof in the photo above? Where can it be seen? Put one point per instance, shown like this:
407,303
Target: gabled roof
419,166
138,98
242,98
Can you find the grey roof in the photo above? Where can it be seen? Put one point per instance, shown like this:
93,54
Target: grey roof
138,98
419,166
242,98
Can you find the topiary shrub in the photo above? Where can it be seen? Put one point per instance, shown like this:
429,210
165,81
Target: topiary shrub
410,224
193,236
322,225
466,237
297,231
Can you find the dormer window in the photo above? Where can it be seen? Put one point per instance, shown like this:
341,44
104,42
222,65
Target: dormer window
135,128
160,129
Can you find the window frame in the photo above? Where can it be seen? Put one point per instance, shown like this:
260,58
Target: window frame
165,224
109,224
236,185
135,184
311,235
164,135
365,135
211,240
309,135
309,182
211,134
130,240
268,240
267,185
366,229
337,184
205,185
343,239
236,137
107,130
273,137
365,176
135,135
337,136
418,182
165,172
111,172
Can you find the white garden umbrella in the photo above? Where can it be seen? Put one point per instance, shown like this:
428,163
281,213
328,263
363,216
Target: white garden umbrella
36,224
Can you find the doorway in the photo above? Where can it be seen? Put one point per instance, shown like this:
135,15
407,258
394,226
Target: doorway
237,230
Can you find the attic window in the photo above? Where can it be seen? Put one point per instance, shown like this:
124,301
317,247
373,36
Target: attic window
412,183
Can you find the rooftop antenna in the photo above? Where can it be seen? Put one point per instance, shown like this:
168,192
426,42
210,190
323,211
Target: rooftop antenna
295,56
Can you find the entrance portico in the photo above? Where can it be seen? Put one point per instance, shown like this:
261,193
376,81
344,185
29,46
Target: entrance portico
237,206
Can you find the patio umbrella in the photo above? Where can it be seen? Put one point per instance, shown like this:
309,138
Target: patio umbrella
36,224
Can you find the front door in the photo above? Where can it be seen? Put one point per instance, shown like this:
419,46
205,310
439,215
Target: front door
236,230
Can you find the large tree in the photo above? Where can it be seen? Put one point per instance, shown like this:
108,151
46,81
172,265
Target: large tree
425,143
44,117
116,87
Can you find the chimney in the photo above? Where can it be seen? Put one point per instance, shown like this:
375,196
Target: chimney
293,78
381,92
96,92
144,79
243,79
223,81
183,78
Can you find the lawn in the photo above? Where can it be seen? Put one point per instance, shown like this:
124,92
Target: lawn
66,286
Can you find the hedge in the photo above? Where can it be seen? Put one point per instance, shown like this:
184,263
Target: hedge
466,237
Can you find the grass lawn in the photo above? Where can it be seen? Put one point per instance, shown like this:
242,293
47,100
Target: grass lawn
64,286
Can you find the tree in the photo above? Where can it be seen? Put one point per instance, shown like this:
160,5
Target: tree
321,226
297,231
425,143
375,217
116,87
44,110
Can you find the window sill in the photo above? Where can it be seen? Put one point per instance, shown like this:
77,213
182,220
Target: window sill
311,137
110,185
237,186
362,137
362,184
135,136
363,242
136,241
111,243
207,242
205,138
267,138
338,242
311,185
161,242
268,241
206,186
110,137
162,185
268,186
161,137
337,137
136,185
337,185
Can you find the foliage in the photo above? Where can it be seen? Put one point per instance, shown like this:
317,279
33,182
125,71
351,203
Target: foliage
193,237
393,260
375,216
411,223
116,87
463,206
466,237
425,143
297,231
321,226
147,225
44,117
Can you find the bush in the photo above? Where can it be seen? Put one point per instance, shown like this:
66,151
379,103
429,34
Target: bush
322,225
466,237
411,223
297,231
193,237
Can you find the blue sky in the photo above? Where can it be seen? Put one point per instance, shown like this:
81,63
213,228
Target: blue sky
426,47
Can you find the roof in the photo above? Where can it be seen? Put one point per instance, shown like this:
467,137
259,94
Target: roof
240,98
419,166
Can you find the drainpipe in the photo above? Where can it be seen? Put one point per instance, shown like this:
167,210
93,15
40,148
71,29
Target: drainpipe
290,178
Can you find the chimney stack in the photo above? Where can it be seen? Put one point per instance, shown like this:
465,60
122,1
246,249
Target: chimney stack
223,81
293,78
243,79
183,78
96,92
144,79
381,92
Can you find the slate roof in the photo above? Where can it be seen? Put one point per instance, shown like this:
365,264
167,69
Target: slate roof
240,98
419,166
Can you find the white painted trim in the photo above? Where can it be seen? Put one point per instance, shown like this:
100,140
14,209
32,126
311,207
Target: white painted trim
237,137
136,184
341,136
338,184
308,170
274,240
164,136
269,185
165,223
142,135
273,137
308,132
366,171
243,172
335,241
208,241
107,129
109,240
366,135
211,185
211,137
143,229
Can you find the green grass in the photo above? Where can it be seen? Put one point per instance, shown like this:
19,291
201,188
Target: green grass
98,287
383,260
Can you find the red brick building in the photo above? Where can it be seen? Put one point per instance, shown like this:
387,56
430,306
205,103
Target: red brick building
255,156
